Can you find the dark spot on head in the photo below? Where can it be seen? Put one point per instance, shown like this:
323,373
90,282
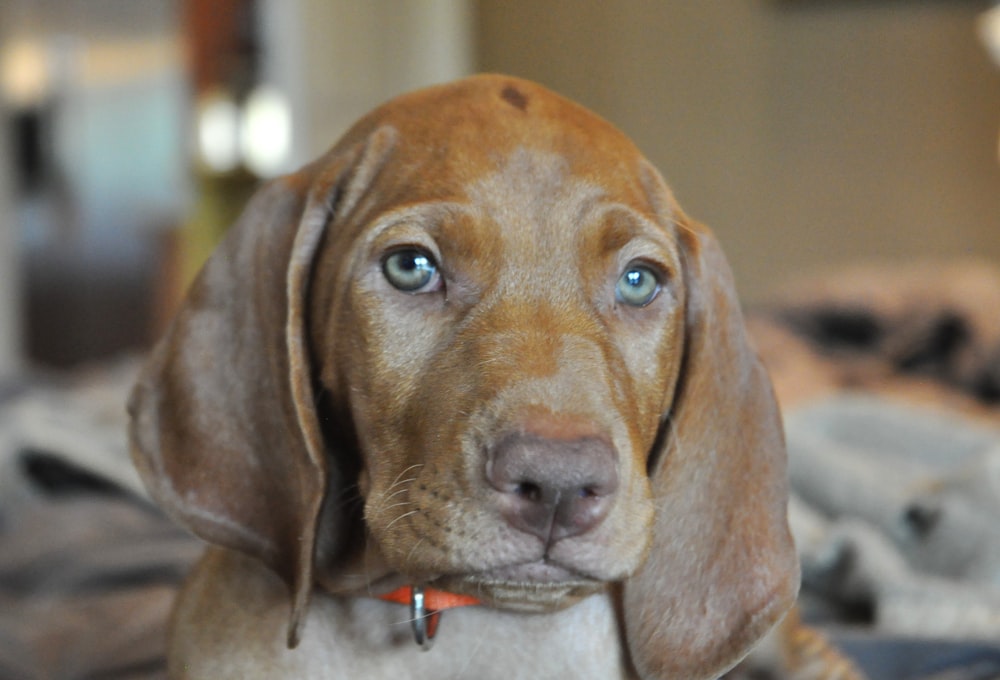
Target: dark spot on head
514,97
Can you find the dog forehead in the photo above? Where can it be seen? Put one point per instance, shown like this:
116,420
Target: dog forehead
451,135
535,205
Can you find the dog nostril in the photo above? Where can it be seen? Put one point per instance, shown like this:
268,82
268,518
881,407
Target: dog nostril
529,491
553,488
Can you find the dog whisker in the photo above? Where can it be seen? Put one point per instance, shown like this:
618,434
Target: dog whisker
413,549
403,472
385,499
399,491
403,516
396,505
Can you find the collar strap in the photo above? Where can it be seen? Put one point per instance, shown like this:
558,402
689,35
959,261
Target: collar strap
426,606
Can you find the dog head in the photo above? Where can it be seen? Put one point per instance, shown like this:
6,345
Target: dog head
479,345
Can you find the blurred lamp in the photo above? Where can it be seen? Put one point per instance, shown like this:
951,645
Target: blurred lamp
266,131
989,31
218,132
256,134
24,73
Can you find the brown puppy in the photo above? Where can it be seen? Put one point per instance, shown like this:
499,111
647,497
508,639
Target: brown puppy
476,348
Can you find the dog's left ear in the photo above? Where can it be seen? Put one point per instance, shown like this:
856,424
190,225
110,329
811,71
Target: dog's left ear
224,430
722,567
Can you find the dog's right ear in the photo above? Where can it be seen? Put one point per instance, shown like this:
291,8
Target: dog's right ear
224,430
722,568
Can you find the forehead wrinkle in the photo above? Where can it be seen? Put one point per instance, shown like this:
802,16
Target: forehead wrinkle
532,193
537,207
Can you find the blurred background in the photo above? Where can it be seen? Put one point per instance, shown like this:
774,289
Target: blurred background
807,133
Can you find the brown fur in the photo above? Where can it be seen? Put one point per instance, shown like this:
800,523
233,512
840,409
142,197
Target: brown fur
331,432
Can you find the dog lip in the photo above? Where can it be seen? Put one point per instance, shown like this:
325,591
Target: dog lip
537,573
538,586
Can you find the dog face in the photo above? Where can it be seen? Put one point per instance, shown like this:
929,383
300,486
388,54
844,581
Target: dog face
517,336
484,316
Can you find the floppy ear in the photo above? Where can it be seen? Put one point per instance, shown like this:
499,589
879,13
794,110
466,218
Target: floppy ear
223,430
722,568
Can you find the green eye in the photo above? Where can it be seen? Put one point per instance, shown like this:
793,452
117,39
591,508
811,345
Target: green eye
410,270
638,286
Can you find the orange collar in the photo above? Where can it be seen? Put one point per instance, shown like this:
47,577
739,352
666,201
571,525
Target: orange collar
426,606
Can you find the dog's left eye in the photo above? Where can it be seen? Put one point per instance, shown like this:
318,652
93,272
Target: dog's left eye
637,286
410,270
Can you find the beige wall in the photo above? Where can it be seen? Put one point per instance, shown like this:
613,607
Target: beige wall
10,272
807,137
337,59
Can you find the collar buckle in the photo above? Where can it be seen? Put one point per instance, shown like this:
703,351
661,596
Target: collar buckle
426,607
423,621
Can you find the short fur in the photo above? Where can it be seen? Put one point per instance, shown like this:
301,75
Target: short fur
334,437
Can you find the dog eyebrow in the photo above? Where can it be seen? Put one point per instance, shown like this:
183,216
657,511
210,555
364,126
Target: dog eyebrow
423,218
617,226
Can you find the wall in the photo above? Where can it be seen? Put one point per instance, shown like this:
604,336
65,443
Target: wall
806,133
337,59
10,274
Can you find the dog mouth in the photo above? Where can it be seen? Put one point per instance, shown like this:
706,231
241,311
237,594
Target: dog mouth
530,587
540,572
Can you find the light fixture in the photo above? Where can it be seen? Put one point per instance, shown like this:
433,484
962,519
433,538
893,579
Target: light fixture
256,133
989,31
266,131
218,122
24,73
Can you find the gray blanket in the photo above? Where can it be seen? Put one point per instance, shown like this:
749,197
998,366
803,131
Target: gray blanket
897,512
88,567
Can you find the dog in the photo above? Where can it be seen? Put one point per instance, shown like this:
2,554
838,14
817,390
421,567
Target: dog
471,379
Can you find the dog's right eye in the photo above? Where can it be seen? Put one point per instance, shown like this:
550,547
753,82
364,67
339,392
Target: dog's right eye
411,271
637,286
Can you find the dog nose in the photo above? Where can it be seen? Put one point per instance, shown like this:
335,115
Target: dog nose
552,488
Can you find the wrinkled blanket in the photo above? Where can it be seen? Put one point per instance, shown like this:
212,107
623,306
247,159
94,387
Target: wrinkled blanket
88,567
889,380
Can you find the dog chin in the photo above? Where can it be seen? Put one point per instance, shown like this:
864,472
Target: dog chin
531,587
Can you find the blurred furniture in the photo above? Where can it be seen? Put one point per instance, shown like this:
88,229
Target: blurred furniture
94,115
